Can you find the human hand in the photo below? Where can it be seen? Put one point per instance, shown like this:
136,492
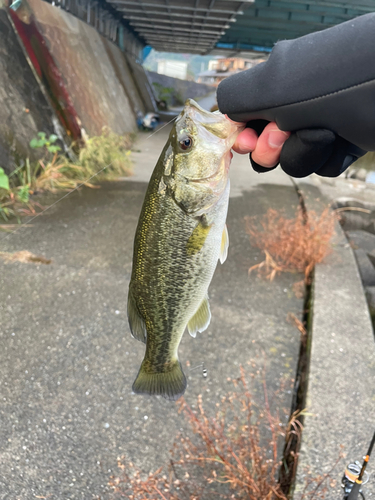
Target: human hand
265,149
325,99
299,153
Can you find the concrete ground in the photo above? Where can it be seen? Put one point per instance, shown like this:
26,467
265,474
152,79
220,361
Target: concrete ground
67,360
340,397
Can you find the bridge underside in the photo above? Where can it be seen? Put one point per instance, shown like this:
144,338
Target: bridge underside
181,26
204,26
265,22
212,26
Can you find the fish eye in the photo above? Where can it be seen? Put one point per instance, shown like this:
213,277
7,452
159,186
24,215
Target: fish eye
186,143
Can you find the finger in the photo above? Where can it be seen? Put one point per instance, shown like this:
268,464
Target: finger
269,145
246,141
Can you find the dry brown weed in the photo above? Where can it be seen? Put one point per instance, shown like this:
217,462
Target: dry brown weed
232,454
25,257
237,448
291,245
293,320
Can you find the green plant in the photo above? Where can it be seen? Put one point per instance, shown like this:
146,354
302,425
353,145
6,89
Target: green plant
23,193
5,212
5,194
179,100
166,94
42,142
109,151
101,158
4,180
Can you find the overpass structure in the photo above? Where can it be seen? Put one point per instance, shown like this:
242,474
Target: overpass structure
211,26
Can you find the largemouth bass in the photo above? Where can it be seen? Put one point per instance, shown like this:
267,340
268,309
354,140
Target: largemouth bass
180,237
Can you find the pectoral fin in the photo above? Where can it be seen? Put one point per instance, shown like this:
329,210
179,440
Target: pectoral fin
197,238
224,245
201,319
136,322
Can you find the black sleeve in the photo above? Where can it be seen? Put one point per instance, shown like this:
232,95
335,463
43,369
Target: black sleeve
325,80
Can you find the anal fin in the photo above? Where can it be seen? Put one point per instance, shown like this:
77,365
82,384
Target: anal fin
224,245
136,322
201,319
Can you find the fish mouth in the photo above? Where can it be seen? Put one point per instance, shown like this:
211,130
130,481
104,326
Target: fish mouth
221,127
191,105
216,123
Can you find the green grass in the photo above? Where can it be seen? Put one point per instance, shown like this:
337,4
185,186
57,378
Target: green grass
101,158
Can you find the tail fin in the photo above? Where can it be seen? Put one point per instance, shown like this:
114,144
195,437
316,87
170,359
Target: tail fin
171,385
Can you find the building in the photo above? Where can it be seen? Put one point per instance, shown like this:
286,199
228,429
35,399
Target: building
221,68
175,69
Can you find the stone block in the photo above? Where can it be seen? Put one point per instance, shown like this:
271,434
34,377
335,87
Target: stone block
366,269
354,221
362,239
370,295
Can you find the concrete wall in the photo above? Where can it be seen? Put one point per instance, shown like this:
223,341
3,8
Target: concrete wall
89,76
59,75
124,75
140,77
24,110
183,88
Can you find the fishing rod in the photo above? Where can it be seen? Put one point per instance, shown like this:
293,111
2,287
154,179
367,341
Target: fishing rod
356,476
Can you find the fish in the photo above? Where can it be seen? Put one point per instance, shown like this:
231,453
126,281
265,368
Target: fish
180,237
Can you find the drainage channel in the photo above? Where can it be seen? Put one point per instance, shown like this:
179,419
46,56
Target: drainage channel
289,464
293,440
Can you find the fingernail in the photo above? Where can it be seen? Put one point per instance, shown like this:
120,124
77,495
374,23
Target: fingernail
276,138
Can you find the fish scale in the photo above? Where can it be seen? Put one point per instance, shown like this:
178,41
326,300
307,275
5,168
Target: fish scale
178,243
